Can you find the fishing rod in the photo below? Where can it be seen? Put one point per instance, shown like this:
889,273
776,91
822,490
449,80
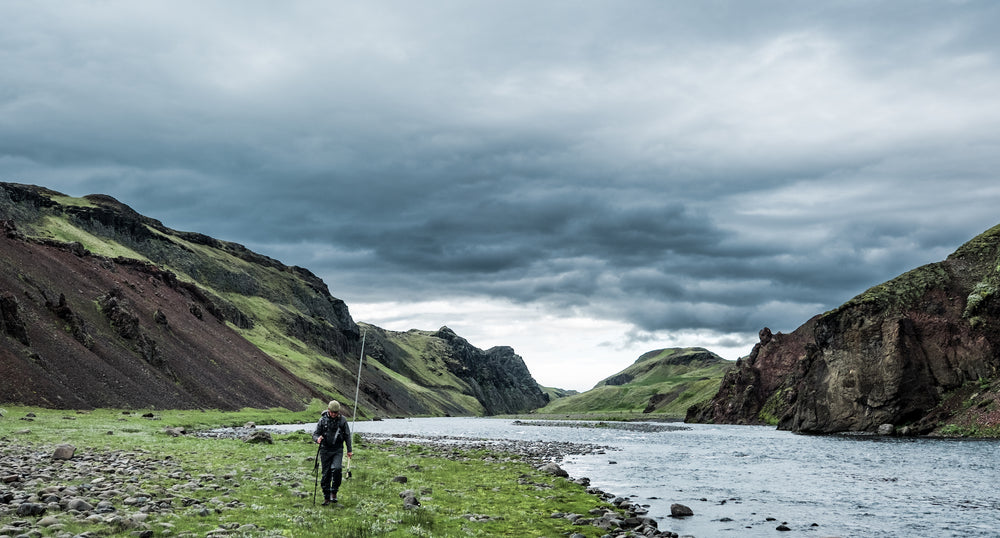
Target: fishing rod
357,390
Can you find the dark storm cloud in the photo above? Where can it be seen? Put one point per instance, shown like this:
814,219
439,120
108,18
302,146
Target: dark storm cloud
712,166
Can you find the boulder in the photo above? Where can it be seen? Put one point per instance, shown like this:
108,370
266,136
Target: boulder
259,436
30,509
679,510
63,452
79,505
554,470
48,521
410,501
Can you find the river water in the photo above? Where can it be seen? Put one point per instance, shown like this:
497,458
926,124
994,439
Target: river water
746,480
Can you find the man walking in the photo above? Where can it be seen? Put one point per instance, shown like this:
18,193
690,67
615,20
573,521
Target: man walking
332,433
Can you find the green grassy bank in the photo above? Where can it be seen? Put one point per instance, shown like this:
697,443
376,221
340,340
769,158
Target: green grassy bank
227,487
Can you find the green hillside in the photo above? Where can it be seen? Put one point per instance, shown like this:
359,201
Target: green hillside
556,393
663,383
286,312
260,294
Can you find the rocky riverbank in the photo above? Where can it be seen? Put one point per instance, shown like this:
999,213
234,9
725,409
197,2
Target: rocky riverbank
53,490
533,452
614,425
630,520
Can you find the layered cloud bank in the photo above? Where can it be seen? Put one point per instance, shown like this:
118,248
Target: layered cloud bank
583,182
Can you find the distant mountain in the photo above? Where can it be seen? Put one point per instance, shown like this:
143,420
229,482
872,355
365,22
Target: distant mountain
103,307
918,354
555,393
664,382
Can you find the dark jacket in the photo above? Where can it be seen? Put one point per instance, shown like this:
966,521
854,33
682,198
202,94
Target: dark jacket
335,432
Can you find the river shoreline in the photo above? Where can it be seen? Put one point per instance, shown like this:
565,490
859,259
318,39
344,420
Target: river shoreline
540,454
111,493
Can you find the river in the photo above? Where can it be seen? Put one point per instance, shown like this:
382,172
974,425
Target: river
746,480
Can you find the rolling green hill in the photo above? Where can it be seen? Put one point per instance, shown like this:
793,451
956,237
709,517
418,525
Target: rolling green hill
663,383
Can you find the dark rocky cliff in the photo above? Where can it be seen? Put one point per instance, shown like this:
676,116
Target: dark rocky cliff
919,353
498,377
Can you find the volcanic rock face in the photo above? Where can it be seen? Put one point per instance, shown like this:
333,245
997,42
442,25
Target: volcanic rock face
919,351
498,376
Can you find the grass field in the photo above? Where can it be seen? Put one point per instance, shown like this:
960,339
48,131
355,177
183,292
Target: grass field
227,487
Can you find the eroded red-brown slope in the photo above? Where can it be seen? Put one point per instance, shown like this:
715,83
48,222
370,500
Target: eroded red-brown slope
80,331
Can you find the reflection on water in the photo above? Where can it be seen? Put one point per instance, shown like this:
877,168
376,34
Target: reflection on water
746,480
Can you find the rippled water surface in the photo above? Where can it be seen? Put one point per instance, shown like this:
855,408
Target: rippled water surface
736,477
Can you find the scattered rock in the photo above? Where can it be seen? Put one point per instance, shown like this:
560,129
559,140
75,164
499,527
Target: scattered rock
30,509
410,501
886,429
174,432
79,505
554,470
679,510
400,479
259,436
63,452
48,521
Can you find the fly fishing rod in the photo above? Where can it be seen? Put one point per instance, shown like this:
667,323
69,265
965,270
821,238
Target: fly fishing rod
357,390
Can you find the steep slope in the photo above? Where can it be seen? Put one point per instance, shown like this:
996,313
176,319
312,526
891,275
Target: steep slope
81,331
664,382
136,314
919,352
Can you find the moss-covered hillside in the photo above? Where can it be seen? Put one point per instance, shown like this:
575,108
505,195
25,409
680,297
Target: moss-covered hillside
65,257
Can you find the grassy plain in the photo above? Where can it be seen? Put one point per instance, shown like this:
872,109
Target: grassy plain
270,486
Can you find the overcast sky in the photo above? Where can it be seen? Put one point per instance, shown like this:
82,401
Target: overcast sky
583,181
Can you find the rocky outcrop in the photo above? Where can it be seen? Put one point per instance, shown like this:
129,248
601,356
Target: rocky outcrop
498,377
466,380
918,352
750,391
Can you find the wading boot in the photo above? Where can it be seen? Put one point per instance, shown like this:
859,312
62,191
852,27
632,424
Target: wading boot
327,498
